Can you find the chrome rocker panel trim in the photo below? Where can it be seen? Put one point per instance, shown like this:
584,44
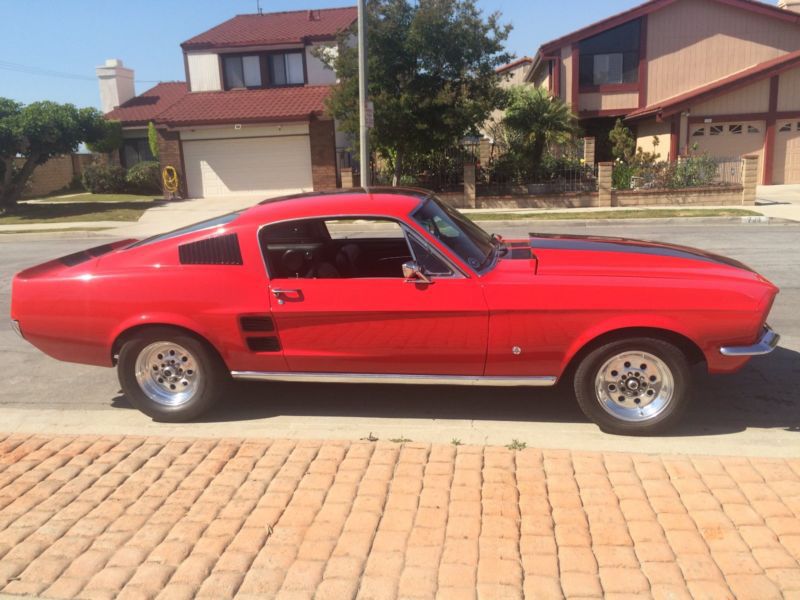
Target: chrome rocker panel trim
768,342
467,380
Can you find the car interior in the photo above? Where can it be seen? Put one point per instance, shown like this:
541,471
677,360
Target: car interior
334,249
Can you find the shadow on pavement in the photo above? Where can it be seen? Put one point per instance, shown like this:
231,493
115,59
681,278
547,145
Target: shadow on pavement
764,395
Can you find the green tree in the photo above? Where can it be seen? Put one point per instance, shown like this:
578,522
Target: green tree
152,139
623,144
36,133
536,121
431,71
107,136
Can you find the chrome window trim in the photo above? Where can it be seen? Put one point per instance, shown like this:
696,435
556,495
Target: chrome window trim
404,225
460,380
766,344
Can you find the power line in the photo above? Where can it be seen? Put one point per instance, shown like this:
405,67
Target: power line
29,70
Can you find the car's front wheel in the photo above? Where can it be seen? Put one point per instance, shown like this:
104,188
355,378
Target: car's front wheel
636,386
170,375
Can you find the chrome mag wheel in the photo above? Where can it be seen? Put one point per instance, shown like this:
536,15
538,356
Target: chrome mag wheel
634,386
168,373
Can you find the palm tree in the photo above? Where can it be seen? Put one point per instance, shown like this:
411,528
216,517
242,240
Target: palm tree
535,120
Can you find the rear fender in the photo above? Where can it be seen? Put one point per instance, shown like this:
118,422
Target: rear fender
162,319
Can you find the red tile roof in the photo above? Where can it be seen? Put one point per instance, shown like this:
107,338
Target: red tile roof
247,106
145,107
292,27
725,85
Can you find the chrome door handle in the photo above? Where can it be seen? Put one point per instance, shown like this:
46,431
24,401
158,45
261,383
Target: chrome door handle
281,294
278,292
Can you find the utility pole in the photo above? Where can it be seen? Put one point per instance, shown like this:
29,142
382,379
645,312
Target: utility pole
362,93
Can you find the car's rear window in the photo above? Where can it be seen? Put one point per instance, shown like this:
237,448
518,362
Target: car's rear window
208,224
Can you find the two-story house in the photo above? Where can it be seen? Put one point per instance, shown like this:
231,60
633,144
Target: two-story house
250,117
719,76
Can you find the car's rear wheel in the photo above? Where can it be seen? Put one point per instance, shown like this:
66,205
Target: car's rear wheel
634,387
170,375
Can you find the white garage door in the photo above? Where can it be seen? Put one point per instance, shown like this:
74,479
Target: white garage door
787,152
730,140
258,165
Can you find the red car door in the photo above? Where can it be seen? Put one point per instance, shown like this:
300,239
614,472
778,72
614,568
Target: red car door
373,321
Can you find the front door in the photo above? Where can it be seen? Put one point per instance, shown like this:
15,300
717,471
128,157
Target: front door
342,305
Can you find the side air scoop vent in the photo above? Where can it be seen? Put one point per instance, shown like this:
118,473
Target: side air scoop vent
220,250
258,323
265,344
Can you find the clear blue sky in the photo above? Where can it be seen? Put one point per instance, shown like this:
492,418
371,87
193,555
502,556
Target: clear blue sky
74,36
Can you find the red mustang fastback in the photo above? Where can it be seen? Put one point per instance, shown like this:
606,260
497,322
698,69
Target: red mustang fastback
395,286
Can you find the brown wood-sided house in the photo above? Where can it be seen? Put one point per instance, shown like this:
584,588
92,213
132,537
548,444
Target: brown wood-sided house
716,76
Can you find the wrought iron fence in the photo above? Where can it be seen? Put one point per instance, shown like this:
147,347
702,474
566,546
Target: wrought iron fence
440,171
556,180
687,172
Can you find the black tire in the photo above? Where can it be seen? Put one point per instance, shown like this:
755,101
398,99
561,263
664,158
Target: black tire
211,376
610,420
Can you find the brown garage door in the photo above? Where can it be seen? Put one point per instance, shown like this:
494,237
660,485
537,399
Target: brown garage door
733,139
786,168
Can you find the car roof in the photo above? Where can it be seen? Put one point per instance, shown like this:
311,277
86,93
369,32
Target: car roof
373,201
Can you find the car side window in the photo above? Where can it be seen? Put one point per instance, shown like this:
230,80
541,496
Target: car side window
336,248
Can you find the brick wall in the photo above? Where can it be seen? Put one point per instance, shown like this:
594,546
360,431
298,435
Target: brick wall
170,153
323,155
57,173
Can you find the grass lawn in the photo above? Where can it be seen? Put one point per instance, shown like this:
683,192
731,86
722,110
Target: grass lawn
654,213
55,230
70,212
77,198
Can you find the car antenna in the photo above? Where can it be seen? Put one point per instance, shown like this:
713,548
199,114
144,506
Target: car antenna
258,7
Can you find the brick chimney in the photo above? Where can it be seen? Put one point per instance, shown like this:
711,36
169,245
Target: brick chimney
116,84
793,5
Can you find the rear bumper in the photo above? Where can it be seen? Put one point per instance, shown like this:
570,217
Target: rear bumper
768,342
15,326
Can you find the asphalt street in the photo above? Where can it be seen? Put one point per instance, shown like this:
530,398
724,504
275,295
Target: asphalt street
756,411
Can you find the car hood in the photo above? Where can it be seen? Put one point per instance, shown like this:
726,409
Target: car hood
599,255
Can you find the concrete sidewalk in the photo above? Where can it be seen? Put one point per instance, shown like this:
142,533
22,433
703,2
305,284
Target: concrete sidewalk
134,517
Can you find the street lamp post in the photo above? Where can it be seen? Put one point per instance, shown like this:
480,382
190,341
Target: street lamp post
362,93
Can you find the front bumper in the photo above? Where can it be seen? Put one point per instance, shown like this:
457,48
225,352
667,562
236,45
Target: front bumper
768,342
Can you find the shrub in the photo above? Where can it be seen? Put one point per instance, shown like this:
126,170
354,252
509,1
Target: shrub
144,178
104,179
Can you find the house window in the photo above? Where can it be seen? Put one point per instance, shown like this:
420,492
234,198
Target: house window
286,69
735,129
785,127
716,130
699,132
611,57
753,129
135,150
242,71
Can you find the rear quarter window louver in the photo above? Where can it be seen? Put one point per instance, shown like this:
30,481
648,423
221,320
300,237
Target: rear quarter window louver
220,250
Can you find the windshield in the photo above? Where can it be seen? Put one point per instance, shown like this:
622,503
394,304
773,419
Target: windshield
457,232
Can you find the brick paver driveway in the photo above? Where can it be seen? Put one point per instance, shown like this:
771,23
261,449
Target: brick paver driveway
103,517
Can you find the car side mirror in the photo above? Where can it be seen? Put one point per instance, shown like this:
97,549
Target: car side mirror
413,273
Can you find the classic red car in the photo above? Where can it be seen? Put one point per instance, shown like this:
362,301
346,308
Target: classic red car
395,286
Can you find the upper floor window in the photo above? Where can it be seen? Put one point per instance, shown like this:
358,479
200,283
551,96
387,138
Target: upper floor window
242,71
263,70
286,69
611,57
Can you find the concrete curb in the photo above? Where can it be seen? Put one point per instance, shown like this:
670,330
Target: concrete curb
760,220
750,220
